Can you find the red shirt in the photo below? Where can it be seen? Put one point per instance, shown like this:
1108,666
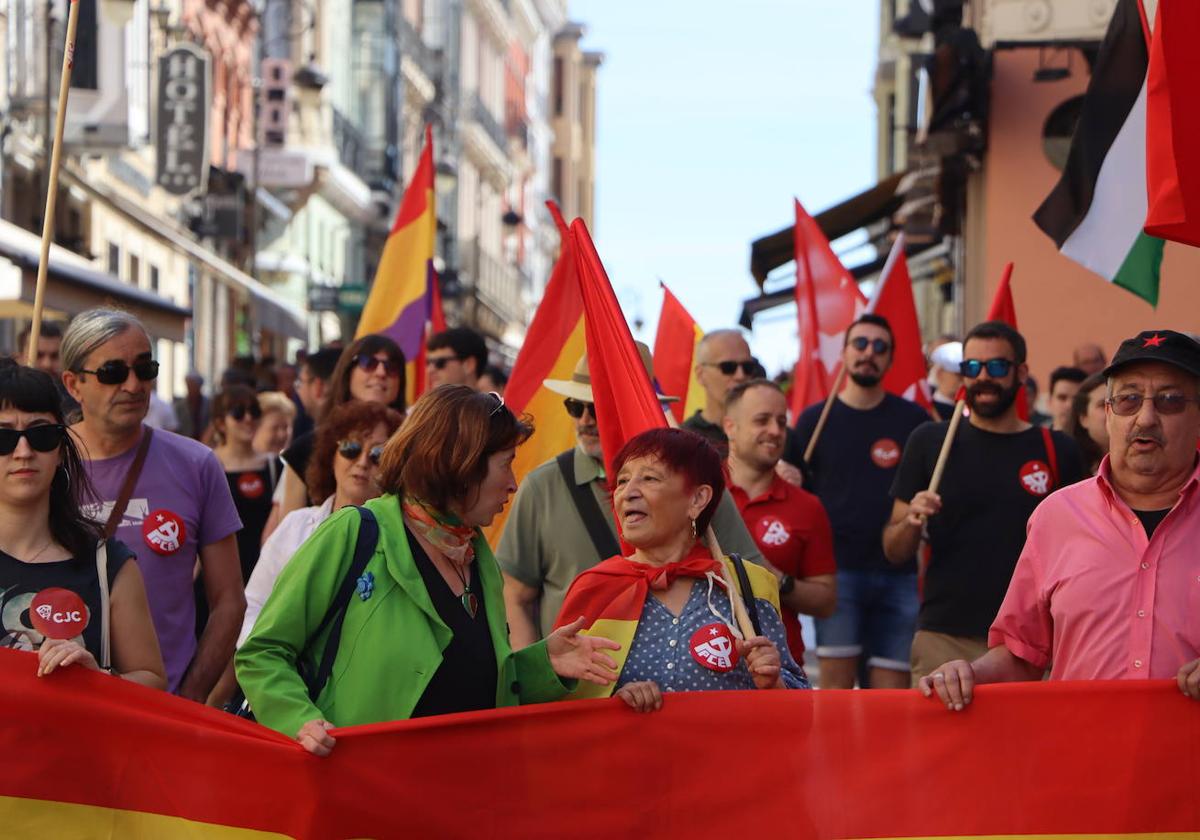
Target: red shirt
792,529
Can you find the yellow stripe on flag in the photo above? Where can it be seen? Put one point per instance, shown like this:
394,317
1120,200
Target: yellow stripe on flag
695,398
44,818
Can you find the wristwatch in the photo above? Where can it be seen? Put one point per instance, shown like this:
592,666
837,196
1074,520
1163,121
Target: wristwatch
786,584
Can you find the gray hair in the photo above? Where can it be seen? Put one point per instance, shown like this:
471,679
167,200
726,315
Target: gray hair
710,337
90,329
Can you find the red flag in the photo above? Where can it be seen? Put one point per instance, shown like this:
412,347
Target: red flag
1003,309
827,301
626,404
894,301
675,352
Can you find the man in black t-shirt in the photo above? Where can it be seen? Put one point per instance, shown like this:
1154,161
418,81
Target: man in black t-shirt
998,471
851,472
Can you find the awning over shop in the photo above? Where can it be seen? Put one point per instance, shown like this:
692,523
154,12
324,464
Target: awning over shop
270,310
73,285
776,249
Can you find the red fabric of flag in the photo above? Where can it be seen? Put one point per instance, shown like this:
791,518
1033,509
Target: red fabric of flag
1003,309
674,347
1173,124
894,301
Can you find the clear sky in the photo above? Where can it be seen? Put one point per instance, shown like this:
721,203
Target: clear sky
712,116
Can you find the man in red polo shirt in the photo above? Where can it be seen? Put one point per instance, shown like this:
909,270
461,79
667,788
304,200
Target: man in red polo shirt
788,524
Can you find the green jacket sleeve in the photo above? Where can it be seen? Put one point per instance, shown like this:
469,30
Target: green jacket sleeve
536,678
266,662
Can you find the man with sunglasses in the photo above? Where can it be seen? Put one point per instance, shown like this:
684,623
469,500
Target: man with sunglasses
456,356
561,521
851,472
1108,584
723,360
177,508
999,470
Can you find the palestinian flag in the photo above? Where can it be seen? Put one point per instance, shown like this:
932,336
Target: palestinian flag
1098,208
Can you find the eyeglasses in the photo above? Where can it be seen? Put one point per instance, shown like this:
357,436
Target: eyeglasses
369,363
45,438
116,372
576,408
352,450
878,345
239,412
499,403
1127,405
440,362
996,368
751,368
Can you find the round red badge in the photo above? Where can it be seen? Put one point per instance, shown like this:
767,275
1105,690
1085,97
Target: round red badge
58,613
163,531
251,485
1035,478
713,647
885,452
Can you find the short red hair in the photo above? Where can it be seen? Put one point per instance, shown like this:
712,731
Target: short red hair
683,452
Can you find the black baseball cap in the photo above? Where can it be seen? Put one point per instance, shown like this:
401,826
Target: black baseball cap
1166,346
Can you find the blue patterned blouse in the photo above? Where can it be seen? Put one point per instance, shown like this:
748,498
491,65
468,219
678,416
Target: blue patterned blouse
661,649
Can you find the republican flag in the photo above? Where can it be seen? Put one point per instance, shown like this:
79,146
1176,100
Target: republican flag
675,356
626,403
1097,211
893,299
1173,123
400,304
827,302
553,345
1003,309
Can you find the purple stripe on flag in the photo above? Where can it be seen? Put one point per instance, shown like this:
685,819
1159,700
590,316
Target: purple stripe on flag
409,329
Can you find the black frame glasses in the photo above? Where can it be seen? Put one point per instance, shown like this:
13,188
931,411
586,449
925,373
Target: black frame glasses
1127,405
440,362
44,438
116,371
576,407
352,450
997,368
752,367
367,363
239,412
879,346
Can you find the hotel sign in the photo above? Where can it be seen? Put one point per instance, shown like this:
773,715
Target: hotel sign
184,89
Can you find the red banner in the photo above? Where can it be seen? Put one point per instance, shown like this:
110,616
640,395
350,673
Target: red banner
89,755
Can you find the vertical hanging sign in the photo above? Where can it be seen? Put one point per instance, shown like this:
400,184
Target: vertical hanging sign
184,88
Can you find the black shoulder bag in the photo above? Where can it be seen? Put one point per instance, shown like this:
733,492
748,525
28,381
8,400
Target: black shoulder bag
589,509
739,566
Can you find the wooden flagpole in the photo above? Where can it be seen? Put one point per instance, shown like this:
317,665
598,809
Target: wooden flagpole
840,379
60,121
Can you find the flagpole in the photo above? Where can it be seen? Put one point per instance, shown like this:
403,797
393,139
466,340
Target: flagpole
944,455
840,379
64,88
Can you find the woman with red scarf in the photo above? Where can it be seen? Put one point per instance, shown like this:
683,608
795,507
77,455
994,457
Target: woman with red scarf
424,632
668,604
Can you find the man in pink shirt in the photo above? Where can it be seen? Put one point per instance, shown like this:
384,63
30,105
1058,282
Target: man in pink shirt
1108,584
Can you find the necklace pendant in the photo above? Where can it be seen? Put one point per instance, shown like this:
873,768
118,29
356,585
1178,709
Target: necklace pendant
470,603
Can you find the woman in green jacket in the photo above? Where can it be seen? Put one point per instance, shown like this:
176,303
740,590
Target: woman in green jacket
425,632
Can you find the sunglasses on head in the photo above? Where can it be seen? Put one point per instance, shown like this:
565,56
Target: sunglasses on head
440,362
352,450
576,407
45,438
996,368
1127,405
878,345
239,412
116,371
369,363
751,368
499,403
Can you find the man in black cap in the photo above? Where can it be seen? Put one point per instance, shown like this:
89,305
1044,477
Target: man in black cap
1108,584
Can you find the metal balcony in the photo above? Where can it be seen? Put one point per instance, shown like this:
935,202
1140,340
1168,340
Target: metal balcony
348,140
414,46
491,126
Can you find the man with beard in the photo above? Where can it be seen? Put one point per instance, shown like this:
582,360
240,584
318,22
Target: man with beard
561,522
1000,468
851,472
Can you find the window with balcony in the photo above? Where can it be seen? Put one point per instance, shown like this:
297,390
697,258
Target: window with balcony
85,74
558,86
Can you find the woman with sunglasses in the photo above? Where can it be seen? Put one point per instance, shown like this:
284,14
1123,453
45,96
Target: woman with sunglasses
64,591
371,370
425,632
343,471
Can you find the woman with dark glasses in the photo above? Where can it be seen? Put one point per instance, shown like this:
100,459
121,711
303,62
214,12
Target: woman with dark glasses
65,592
371,370
425,631
344,470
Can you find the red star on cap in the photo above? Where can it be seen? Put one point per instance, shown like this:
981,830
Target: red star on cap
1154,341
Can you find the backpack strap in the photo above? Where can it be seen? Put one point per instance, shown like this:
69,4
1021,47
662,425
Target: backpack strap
1051,455
603,541
102,576
739,566
364,547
